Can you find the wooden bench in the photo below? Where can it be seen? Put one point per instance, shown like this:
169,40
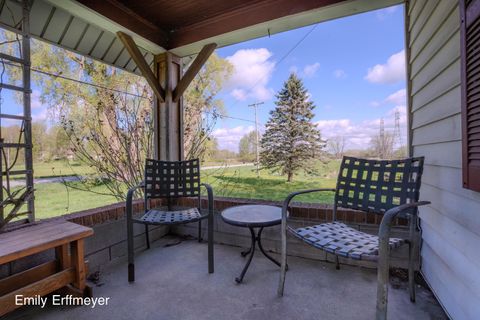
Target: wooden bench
67,269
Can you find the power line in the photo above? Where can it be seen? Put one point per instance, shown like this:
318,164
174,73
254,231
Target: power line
87,83
54,75
283,57
228,117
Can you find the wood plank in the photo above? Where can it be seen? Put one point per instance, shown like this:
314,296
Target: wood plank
63,257
26,241
78,262
31,234
142,65
42,287
24,278
193,70
34,235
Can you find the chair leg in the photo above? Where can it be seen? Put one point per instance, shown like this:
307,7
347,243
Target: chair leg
411,271
131,263
283,262
210,244
200,231
147,238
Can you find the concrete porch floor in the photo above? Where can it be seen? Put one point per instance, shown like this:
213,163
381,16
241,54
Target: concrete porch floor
172,283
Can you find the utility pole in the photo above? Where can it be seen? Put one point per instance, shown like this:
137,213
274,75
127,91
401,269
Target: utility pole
255,106
397,134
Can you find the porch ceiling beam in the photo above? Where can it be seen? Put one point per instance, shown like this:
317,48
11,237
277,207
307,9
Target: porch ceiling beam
142,65
250,14
192,71
123,15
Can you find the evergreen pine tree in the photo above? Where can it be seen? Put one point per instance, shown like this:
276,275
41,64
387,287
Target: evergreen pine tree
291,141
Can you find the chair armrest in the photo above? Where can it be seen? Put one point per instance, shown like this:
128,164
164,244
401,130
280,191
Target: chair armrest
209,196
129,201
388,217
289,198
386,225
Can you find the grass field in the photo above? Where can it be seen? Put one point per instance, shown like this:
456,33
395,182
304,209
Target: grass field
242,182
53,199
59,168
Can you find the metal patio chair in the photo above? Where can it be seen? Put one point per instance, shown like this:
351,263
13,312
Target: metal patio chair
170,180
387,188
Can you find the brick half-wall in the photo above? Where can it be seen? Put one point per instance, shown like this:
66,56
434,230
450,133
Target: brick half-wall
108,244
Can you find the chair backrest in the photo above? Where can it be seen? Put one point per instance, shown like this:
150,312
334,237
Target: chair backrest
378,185
172,179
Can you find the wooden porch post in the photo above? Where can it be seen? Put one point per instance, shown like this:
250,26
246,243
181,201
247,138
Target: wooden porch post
168,84
168,115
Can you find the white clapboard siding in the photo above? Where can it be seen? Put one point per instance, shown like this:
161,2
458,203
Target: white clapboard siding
447,154
448,129
451,224
442,107
450,180
449,29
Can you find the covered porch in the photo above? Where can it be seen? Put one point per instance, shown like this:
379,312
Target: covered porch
172,279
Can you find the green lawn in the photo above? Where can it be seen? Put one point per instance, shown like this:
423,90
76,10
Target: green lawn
242,182
58,168
53,199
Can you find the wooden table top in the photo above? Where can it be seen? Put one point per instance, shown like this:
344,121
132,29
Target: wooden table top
40,237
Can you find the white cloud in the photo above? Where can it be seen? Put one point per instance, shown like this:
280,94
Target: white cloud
358,134
253,69
239,94
310,69
228,138
339,74
391,72
35,102
398,97
42,115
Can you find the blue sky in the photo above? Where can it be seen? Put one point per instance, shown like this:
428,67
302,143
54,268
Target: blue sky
353,68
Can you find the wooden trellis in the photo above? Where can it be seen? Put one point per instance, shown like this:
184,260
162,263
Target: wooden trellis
16,196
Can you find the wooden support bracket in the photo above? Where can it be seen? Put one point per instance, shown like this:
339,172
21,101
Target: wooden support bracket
152,80
142,65
195,67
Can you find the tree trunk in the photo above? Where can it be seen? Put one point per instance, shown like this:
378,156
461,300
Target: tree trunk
289,176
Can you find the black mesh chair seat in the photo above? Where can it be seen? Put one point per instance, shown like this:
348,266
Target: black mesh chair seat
342,240
164,216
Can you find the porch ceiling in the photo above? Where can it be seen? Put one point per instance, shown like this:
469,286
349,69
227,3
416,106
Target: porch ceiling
183,27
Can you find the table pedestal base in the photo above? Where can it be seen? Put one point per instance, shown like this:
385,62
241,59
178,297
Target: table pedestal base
256,238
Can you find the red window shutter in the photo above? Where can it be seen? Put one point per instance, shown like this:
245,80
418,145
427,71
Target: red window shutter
470,50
